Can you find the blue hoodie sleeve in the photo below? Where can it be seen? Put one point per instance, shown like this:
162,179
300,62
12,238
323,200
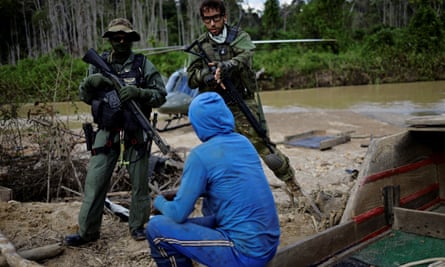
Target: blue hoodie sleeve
193,184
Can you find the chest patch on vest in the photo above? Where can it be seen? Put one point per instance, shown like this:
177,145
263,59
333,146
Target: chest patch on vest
130,80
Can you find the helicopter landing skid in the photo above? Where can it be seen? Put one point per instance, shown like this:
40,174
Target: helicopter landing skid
167,126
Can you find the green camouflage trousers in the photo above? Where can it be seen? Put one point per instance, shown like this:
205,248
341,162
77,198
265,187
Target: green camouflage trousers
97,183
242,126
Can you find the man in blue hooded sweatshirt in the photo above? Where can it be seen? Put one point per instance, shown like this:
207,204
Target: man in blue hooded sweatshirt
240,225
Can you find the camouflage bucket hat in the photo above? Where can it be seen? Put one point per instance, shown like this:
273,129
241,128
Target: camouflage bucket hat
123,26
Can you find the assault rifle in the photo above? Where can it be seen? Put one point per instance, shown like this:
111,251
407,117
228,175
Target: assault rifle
272,160
236,97
94,59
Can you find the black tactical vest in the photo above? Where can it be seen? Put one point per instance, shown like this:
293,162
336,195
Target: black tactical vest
107,110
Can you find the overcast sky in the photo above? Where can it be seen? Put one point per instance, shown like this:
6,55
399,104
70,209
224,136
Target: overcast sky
259,4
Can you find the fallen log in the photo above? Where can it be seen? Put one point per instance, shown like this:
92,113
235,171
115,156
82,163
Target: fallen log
12,257
41,253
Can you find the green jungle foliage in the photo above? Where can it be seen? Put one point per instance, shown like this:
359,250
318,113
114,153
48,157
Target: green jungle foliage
53,77
384,57
362,55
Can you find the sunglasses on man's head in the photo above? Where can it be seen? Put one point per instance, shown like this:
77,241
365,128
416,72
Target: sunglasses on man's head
120,38
215,18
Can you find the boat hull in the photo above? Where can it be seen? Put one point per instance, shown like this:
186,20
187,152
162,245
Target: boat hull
400,189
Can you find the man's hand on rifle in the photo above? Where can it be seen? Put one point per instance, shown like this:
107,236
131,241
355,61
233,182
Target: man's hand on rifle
132,92
96,82
129,92
206,76
223,69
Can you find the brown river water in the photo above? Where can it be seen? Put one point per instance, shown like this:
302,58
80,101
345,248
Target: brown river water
386,102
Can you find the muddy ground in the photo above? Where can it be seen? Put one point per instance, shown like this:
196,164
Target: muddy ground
326,175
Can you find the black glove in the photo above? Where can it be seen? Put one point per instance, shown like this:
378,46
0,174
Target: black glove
96,82
226,67
129,92
210,81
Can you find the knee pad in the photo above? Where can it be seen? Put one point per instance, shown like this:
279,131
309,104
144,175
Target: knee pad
273,161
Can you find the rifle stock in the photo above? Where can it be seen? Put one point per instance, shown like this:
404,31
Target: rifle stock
94,59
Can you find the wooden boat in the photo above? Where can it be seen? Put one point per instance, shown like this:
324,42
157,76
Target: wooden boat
396,212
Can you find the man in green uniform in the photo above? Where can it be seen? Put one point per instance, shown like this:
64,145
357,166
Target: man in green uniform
118,129
230,51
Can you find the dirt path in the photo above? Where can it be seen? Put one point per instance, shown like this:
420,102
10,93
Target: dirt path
324,174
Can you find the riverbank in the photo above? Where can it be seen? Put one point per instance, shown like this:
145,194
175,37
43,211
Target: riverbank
324,175
314,168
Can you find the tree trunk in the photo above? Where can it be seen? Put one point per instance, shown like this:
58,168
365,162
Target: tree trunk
181,30
194,19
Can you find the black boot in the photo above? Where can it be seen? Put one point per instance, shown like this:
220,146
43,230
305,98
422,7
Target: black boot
138,234
76,240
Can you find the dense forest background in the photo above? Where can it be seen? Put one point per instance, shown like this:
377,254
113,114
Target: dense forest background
42,41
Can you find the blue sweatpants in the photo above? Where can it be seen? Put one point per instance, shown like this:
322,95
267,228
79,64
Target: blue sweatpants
174,244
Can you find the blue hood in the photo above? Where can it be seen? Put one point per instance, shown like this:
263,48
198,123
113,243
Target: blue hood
210,116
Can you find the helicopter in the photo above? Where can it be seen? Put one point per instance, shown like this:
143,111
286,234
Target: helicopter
180,95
